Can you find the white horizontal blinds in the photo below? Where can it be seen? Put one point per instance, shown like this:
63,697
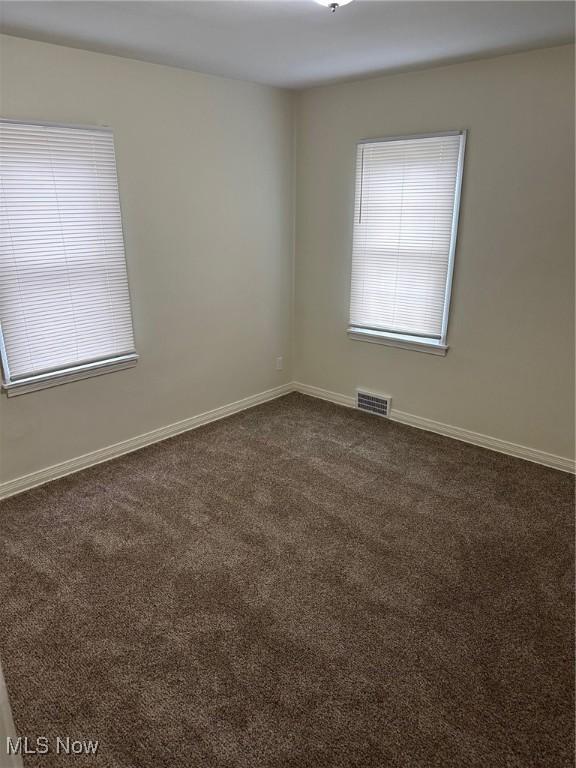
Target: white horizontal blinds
405,199
64,297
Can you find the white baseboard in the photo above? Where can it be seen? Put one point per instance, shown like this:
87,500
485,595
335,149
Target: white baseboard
457,433
24,483
324,394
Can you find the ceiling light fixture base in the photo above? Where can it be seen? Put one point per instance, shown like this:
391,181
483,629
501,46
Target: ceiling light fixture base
333,5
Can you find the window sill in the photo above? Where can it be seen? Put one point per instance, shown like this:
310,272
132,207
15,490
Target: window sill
35,383
419,344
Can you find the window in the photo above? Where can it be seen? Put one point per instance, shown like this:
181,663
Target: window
405,220
64,301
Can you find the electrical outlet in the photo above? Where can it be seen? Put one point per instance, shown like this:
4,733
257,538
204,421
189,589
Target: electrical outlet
279,363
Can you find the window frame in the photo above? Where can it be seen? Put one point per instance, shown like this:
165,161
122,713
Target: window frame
400,340
78,371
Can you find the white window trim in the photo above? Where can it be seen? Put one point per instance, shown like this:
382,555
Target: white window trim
11,387
400,340
63,376
404,341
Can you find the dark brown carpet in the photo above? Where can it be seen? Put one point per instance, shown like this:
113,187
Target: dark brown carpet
300,585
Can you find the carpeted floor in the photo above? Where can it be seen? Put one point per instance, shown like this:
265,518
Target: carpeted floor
297,586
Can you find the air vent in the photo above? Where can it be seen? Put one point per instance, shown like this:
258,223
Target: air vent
373,403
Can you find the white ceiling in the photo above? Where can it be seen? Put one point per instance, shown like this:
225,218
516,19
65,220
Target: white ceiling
294,43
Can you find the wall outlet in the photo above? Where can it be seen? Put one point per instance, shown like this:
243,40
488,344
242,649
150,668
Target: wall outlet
279,363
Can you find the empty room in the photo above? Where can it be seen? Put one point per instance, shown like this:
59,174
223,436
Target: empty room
287,384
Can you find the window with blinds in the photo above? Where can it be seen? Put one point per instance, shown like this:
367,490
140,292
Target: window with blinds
405,221
64,300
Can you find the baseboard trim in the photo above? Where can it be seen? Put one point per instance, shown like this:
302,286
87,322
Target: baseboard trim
26,482
34,479
485,441
324,394
457,433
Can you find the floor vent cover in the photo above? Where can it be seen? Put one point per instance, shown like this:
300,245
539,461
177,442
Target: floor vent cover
378,404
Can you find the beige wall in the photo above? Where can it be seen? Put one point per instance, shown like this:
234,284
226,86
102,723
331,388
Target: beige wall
205,174
509,372
205,170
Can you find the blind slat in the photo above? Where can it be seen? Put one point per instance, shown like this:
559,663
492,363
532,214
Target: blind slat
405,208
64,297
